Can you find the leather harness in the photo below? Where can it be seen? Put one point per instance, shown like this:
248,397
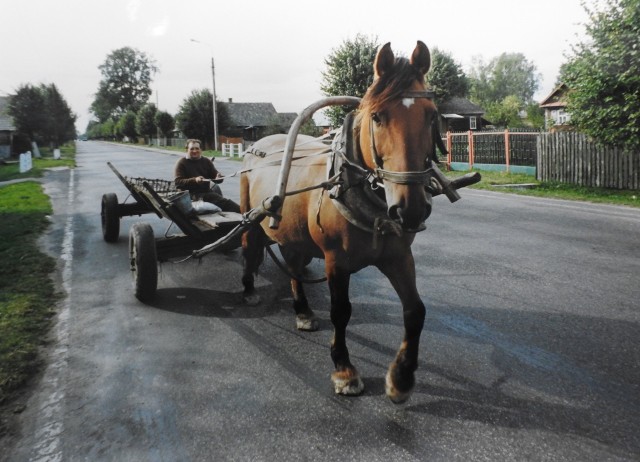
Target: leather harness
358,195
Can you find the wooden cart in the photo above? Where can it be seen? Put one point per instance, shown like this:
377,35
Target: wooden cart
145,250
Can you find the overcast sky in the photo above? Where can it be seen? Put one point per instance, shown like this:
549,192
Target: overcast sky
265,51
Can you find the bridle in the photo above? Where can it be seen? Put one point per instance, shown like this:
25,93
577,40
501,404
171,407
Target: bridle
419,177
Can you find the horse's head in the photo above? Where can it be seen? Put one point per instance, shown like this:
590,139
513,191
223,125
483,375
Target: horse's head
395,120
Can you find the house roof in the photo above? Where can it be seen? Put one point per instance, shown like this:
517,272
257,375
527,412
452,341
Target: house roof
287,118
556,98
460,106
6,121
251,114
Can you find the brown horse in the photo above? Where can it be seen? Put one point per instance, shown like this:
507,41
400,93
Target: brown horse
394,143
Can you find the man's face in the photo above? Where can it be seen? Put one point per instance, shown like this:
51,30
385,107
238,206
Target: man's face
193,149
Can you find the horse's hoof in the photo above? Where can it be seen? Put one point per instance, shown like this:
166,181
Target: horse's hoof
251,299
395,395
347,383
306,323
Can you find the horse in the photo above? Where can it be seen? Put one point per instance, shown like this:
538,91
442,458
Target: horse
393,143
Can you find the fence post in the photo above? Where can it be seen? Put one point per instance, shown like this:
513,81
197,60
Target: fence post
449,149
470,137
507,149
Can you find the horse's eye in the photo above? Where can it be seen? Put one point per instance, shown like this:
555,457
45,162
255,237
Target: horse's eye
376,117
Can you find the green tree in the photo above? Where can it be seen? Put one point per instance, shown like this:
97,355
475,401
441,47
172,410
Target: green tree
126,83
310,128
145,120
349,72
27,108
535,116
195,116
42,114
505,113
505,75
60,120
108,130
603,75
165,123
126,126
446,77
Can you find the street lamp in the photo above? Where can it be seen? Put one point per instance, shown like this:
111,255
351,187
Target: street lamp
215,110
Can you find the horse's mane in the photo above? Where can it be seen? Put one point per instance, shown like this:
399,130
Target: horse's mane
390,85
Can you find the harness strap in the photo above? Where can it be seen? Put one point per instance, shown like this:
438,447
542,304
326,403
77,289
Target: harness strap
421,177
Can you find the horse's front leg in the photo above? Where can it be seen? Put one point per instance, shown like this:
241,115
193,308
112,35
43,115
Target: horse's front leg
400,378
345,378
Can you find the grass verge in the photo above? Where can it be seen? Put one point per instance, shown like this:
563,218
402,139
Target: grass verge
512,183
27,293
11,171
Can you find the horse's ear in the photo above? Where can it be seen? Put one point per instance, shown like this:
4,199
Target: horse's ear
421,58
384,60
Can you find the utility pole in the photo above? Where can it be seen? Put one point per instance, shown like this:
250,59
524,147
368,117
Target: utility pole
215,109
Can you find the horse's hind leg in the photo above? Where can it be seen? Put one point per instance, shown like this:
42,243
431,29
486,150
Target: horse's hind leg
253,242
345,378
305,318
400,378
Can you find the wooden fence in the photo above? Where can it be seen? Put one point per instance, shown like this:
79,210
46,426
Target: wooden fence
570,157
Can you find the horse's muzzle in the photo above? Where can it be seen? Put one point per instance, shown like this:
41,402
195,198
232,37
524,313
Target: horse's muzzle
412,220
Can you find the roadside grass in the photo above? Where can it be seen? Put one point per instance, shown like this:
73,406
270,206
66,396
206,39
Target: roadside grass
514,183
27,293
11,170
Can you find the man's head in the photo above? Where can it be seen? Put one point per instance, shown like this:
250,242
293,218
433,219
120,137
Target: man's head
193,149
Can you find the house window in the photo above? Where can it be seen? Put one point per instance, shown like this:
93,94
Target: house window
472,123
563,117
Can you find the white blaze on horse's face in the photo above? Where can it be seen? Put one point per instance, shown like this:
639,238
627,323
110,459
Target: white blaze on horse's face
408,102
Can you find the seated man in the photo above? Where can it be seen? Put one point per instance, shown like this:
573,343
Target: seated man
196,173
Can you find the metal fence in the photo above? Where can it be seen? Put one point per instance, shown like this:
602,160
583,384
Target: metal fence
518,148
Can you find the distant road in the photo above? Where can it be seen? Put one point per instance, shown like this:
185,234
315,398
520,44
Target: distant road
530,352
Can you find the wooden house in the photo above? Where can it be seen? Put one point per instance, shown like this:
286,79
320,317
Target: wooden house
556,116
7,128
252,121
458,114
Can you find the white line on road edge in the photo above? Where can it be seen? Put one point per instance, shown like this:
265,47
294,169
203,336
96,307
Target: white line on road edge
50,422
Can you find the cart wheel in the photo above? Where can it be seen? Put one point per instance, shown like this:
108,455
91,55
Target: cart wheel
143,261
110,217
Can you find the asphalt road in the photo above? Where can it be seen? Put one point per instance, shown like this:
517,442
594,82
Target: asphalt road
529,352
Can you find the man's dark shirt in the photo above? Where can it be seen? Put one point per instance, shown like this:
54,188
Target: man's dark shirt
186,171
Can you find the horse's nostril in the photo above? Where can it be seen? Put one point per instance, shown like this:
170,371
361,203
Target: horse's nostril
395,213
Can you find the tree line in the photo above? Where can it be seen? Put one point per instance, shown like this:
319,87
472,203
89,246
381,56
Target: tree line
603,75
504,86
